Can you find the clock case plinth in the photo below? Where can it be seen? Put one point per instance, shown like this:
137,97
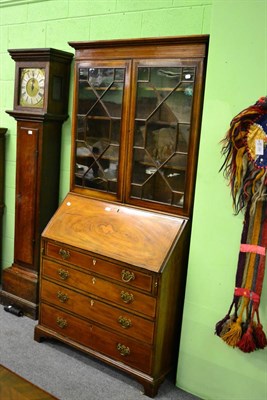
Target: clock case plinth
37,174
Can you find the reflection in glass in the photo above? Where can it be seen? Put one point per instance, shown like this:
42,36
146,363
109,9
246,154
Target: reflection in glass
98,127
161,135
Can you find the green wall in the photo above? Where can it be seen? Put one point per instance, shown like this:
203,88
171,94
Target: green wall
236,78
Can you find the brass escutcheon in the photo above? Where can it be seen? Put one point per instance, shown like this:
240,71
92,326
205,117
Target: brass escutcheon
61,322
123,350
63,274
65,254
124,322
127,276
127,297
63,297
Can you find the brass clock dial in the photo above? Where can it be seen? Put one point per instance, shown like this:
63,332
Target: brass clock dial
32,87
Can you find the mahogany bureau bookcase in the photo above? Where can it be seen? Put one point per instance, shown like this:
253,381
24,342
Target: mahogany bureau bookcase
114,255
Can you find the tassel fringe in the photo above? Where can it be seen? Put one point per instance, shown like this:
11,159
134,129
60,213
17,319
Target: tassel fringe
244,177
259,336
247,338
234,333
247,343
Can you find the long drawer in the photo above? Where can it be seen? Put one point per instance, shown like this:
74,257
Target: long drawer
121,348
95,285
66,324
97,311
122,274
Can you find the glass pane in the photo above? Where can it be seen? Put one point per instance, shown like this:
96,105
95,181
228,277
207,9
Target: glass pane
98,127
157,189
161,135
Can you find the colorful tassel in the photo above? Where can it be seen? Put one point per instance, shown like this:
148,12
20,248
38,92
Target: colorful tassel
220,325
260,337
247,343
234,333
224,325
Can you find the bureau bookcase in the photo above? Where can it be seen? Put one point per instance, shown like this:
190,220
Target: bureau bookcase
114,255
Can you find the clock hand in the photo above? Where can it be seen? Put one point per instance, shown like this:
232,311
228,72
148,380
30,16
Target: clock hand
32,84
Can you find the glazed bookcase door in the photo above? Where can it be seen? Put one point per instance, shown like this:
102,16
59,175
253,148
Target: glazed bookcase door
164,126
99,146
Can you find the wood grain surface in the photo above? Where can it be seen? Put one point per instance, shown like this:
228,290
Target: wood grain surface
13,387
139,237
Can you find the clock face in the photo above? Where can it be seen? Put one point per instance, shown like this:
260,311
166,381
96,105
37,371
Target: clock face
32,87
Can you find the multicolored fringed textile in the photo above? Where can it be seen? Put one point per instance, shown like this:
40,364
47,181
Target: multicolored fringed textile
245,151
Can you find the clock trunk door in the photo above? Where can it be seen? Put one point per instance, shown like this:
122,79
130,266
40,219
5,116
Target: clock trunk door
26,181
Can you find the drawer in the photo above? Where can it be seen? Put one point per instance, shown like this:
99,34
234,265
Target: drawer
103,341
123,349
97,311
122,274
66,324
94,285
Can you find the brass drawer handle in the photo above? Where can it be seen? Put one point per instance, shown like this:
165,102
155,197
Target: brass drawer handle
65,254
127,276
127,297
63,274
63,297
123,350
62,323
124,322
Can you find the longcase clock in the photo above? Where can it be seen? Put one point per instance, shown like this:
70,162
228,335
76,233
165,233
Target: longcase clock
40,108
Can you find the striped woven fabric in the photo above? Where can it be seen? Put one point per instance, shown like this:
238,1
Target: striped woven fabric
245,150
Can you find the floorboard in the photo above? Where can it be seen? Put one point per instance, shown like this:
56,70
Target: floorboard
14,387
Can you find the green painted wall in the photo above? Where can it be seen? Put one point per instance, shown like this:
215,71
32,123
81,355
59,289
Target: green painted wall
236,78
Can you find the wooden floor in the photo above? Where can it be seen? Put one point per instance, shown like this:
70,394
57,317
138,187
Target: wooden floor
13,387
